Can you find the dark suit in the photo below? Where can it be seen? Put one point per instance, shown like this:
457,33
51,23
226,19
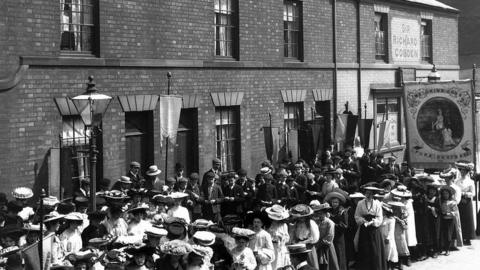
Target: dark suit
307,267
248,193
212,211
234,207
204,178
137,180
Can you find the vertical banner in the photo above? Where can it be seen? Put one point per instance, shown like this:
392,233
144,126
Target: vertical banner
439,119
272,143
364,129
170,107
293,144
345,130
387,135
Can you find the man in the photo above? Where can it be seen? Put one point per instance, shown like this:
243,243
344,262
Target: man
267,192
193,203
134,174
233,201
392,167
248,188
83,188
298,256
212,197
152,181
123,184
179,170
283,194
216,167
181,185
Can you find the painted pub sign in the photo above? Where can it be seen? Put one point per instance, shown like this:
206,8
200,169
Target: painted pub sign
439,120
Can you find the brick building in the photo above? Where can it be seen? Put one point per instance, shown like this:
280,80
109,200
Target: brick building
233,61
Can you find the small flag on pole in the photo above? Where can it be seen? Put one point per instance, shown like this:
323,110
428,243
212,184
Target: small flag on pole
170,108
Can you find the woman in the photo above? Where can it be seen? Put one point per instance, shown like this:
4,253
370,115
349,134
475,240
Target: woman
400,217
388,233
243,257
352,226
467,187
408,214
52,224
327,258
140,255
279,232
177,210
305,231
116,226
174,252
369,217
261,244
71,238
339,216
432,219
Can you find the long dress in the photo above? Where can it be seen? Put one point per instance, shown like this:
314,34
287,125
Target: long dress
71,241
467,187
280,237
325,249
411,232
371,248
243,259
308,235
401,228
263,246
340,218
388,233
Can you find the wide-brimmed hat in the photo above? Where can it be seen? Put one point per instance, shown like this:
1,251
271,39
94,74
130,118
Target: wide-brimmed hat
277,212
464,165
165,199
50,201
425,179
8,251
373,189
81,201
115,195
74,216
356,195
156,232
335,194
125,179
301,210
396,204
140,249
98,242
387,208
201,224
52,216
202,251
242,233
177,220
178,195
379,196
22,193
153,171
401,191
176,247
387,182
251,215
204,238
297,249
140,207
447,175
265,170
316,206
28,227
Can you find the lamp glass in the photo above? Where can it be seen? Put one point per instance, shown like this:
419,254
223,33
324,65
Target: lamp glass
91,107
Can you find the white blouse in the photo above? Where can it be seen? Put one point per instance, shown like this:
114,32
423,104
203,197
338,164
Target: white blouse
374,208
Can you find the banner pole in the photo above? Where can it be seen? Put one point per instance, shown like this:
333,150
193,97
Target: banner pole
475,143
169,76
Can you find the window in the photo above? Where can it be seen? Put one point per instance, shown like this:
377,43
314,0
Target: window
227,122
426,35
74,131
292,29
76,138
381,36
389,109
225,24
293,115
77,25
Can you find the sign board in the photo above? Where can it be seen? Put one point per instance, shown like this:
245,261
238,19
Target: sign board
405,40
439,122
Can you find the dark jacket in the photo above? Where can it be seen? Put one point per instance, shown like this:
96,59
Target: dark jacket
235,206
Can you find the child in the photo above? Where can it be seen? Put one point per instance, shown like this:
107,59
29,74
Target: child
388,233
448,207
432,220
400,216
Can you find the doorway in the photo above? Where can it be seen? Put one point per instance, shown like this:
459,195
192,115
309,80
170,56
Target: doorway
186,148
139,139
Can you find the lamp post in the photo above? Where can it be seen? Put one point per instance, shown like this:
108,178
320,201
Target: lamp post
92,106
433,76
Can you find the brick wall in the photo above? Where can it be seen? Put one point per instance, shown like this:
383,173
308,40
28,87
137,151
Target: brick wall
346,31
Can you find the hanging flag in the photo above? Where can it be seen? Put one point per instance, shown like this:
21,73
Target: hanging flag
272,143
345,130
31,254
387,135
293,144
364,128
170,107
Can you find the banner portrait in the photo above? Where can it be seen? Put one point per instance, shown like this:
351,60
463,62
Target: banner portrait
439,123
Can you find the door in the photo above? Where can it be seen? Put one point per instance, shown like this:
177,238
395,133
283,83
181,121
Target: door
186,148
322,109
139,139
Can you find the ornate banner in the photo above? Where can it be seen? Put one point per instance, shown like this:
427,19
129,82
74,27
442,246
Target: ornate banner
439,123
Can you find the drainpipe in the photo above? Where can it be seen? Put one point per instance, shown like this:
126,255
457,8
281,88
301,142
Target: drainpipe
335,68
359,60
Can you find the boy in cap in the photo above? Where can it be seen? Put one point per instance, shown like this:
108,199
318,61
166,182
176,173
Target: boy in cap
135,175
212,197
216,168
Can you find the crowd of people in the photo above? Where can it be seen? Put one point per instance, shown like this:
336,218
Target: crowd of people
343,211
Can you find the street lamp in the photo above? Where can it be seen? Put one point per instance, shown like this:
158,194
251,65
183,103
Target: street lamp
92,106
433,76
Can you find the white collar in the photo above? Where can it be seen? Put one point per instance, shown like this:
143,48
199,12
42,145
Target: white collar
300,265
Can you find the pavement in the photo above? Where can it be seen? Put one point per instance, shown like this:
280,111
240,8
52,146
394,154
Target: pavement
467,258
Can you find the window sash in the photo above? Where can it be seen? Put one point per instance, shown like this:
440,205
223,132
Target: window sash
380,36
389,109
426,40
293,115
227,137
224,27
77,25
291,28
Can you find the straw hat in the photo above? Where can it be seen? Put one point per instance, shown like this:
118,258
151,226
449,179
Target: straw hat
178,195
115,195
74,216
297,249
98,242
464,165
201,224
387,208
153,171
301,210
176,247
242,233
447,175
277,212
156,232
50,201
396,204
134,164
337,195
52,216
401,191
140,207
22,193
125,179
204,238
317,206
356,195
265,170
